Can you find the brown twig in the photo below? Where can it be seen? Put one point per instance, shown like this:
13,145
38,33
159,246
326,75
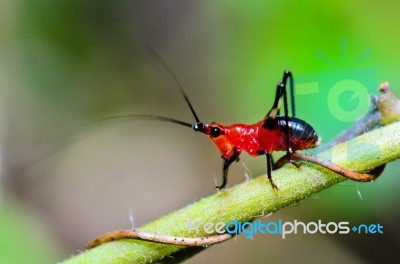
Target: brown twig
349,174
164,239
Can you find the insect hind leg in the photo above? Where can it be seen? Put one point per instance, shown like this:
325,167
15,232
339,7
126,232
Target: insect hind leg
281,92
288,75
274,112
284,160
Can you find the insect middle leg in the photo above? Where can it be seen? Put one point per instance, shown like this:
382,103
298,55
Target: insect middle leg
269,169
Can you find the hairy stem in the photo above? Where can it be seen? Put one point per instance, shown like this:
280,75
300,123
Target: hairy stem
252,199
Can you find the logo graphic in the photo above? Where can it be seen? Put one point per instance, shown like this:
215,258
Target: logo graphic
338,97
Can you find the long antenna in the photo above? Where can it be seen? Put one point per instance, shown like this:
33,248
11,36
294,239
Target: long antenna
165,69
162,66
140,117
90,125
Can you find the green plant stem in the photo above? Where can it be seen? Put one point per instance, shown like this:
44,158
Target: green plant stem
253,198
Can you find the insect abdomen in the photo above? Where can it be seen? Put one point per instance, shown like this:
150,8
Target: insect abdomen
302,135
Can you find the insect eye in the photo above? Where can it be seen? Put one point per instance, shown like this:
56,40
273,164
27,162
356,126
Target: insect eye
215,132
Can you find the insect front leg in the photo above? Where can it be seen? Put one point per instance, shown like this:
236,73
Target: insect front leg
226,164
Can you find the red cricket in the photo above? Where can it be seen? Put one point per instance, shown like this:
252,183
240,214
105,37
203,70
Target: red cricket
272,133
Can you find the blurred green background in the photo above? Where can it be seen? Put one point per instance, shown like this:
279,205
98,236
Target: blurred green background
64,63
